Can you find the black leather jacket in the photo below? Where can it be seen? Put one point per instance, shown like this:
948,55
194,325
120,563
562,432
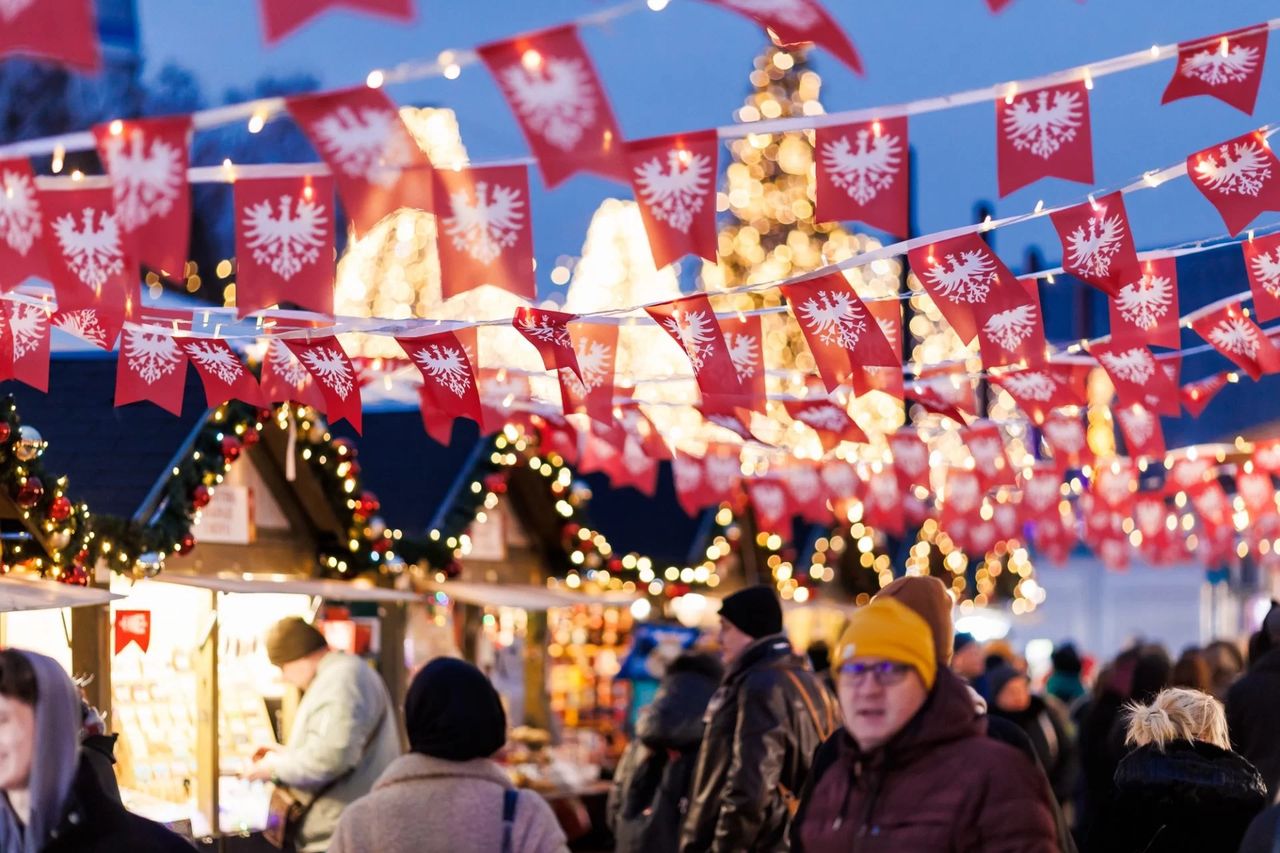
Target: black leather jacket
760,738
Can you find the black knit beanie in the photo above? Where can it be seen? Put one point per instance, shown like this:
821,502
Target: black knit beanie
754,611
453,712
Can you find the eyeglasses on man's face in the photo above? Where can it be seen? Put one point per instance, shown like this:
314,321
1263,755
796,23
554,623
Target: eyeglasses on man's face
885,673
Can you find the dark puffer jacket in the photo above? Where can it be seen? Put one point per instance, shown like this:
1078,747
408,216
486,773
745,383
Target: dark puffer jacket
94,822
1252,706
760,739
1049,731
940,785
1193,797
650,794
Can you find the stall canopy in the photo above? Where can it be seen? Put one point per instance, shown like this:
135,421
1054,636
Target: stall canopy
31,594
331,590
526,596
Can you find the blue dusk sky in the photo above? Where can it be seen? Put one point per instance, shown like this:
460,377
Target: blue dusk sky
686,68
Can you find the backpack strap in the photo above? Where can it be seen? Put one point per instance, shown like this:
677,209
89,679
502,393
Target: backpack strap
824,729
510,798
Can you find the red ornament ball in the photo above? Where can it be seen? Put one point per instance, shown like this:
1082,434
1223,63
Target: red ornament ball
60,509
382,545
572,528
186,543
75,575
368,504
453,569
251,437
200,496
6,430
496,483
231,447
29,493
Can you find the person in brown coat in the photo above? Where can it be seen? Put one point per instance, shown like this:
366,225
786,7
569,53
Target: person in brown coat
912,770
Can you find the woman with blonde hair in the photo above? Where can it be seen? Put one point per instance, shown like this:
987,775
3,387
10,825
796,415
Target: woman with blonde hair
1181,788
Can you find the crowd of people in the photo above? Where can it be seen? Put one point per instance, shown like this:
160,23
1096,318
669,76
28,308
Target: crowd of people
905,736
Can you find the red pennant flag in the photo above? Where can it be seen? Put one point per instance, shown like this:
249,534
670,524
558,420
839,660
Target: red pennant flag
548,331
327,362
1137,377
285,380
559,436
692,324
735,419
596,346
1143,435
1065,435
437,424
674,181
1145,309
147,161
882,506
795,22
910,459
284,243
87,257
152,366
803,481
1188,473
1196,395
862,174
1042,491
843,486
1044,133
1114,485
29,327
1097,243
6,347
633,467
97,326
1266,455
498,388
961,497
772,505
1262,260
447,373
1211,504
998,6
1151,519
1011,330
722,470
692,492
132,626
62,31
486,230
986,446
552,87
223,374
23,228
928,397
1007,517
831,422
968,283
375,160
1240,177
1036,390
1239,339
842,333
1226,66
645,433
744,337
281,17
1258,493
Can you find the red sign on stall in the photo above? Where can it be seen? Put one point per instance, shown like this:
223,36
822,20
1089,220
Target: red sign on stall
132,626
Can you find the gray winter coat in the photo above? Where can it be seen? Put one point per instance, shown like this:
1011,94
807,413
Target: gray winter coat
336,719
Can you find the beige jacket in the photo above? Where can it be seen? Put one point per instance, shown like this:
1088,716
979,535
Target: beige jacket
424,805
344,723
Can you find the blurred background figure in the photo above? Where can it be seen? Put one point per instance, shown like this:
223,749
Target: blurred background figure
1192,671
1253,703
967,659
1042,719
448,793
819,654
650,794
1226,664
1181,788
1066,683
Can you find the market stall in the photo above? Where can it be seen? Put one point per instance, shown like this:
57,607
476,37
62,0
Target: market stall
195,694
39,615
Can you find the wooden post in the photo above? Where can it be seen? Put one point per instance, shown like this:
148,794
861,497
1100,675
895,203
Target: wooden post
391,655
207,758
91,653
537,697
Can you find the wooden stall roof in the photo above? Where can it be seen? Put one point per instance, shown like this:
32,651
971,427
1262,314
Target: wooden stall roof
31,594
